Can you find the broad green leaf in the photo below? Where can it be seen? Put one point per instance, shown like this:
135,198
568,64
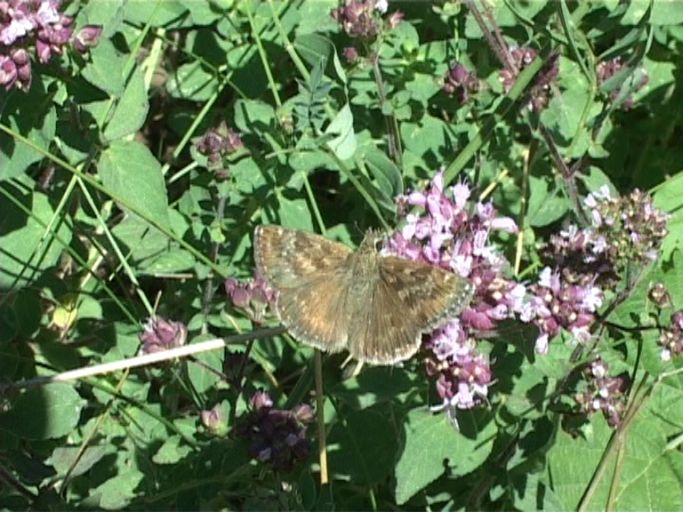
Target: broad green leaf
133,176
251,116
364,446
106,68
117,492
545,207
384,170
294,213
172,451
24,253
156,14
314,48
431,439
426,137
192,82
375,385
203,378
669,197
131,110
344,144
63,458
32,116
48,412
649,474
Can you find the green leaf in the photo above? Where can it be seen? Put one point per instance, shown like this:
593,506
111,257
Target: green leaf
130,172
23,256
192,82
201,377
63,458
385,171
32,116
117,492
131,110
545,207
252,115
106,68
431,439
294,213
649,473
376,385
44,413
172,451
669,197
425,137
364,447
314,48
344,144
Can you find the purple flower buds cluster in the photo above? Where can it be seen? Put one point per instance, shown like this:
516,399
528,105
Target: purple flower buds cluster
212,419
35,22
460,81
216,144
442,231
608,68
630,227
253,296
276,436
671,339
160,334
539,93
555,303
362,19
625,230
603,393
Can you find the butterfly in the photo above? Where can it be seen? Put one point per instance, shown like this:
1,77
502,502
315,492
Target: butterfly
334,298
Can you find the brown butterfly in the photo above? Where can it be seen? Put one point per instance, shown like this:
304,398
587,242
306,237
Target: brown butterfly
333,298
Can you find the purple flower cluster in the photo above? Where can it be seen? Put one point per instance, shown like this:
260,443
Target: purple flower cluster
35,22
603,393
608,68
276,436
630,227
625,230
445,233
362,19
212,419
555,303
460,81
253,296
160,334
216,144
539,93
671,339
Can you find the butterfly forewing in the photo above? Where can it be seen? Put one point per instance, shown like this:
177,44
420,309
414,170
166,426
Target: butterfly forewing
311,276
407,300
288,257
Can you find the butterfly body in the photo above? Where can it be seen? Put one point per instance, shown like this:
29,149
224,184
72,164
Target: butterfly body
375,306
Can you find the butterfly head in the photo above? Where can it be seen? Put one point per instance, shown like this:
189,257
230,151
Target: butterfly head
371,243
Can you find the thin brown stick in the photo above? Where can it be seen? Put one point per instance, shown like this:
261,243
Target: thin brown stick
320,415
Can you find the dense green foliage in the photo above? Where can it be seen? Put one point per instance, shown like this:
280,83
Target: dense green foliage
115,207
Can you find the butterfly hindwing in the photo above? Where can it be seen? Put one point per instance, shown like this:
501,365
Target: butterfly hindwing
317,312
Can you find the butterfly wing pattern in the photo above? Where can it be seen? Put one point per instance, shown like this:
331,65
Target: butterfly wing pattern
375,306
310,274
408,299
